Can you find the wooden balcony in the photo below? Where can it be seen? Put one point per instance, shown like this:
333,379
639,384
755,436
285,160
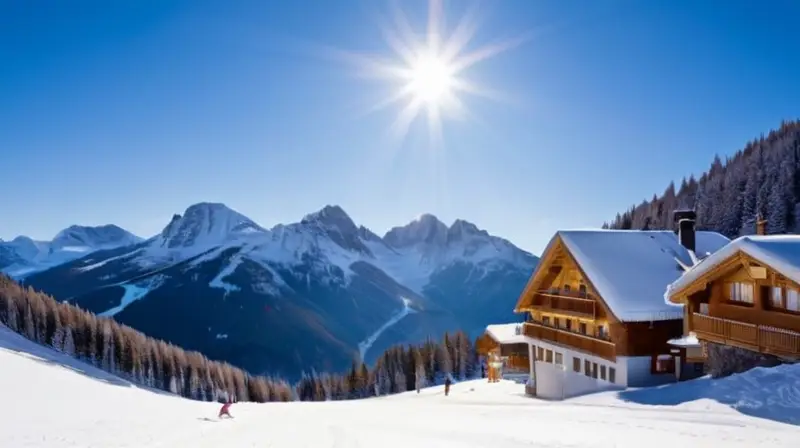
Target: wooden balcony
570,303
759,338
598,347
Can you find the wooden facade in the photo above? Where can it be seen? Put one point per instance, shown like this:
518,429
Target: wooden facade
514,357
564,308
743,302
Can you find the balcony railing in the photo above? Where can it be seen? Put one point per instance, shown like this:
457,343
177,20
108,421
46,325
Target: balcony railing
599,347
565,302
759,338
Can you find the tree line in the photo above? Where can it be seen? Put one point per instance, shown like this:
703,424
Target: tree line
762,179
399,369
130,354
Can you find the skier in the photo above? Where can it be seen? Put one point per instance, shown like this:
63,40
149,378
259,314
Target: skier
447,384
224,410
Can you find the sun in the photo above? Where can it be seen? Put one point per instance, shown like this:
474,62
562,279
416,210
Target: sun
429,73
431,79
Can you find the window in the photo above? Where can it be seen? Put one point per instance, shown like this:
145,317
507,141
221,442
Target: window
741,292
566,288
568,324
594,370
612,375
792,300
548,356
776,297
539,353
582,327
601,332
576,364
787,299
587,368
664,364
559,359
582,290
546,320
556,322
602,372
704,308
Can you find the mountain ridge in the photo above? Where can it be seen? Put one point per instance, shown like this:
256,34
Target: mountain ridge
335,289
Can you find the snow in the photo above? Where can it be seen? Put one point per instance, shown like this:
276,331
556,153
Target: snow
502,333
59,402
327,242
780,252
630,268
133,292
217,282
366,344
102,263
68,245
689,340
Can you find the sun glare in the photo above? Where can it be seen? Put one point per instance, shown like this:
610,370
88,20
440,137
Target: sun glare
429,72
431,79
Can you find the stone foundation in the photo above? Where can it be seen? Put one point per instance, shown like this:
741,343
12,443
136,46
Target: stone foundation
724,360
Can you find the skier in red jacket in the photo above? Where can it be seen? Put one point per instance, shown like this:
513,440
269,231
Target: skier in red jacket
224,410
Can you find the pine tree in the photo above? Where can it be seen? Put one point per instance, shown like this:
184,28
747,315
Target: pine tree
69,342
12,315
29,327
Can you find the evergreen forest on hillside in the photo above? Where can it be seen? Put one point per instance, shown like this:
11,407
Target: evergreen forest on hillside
761,179
130,354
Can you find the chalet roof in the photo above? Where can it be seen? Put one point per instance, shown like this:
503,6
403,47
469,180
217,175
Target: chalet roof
629,269
503,332
780,252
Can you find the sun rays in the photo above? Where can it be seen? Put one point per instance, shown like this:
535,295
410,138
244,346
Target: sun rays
428,75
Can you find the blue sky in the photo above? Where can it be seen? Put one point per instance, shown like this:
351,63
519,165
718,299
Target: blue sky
128,113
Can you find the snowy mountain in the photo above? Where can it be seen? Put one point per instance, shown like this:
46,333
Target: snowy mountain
57,401
315,293
23,256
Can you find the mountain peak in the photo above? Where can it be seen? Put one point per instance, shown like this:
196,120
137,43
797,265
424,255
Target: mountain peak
461,228
333,221
206,224
426,228
93,237
331,215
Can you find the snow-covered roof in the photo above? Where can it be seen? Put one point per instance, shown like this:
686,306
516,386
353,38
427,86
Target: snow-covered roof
629,269
503,333
780,252
689,340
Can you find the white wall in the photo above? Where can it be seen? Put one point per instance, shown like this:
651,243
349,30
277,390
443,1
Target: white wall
568,355
628,372
555,383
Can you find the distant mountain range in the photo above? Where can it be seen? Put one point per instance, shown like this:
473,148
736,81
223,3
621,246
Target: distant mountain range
308,295
22,255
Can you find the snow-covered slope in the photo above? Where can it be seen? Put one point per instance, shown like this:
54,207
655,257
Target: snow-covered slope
54,401
23,256
339,288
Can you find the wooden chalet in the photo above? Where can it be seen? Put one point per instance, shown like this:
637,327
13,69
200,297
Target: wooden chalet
503,351
745,295
596,315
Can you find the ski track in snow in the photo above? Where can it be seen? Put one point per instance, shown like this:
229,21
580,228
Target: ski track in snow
61,402
366,344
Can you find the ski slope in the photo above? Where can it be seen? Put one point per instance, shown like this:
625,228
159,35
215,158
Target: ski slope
50,400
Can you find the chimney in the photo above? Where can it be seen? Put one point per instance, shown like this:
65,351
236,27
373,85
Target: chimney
761,225
686,234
